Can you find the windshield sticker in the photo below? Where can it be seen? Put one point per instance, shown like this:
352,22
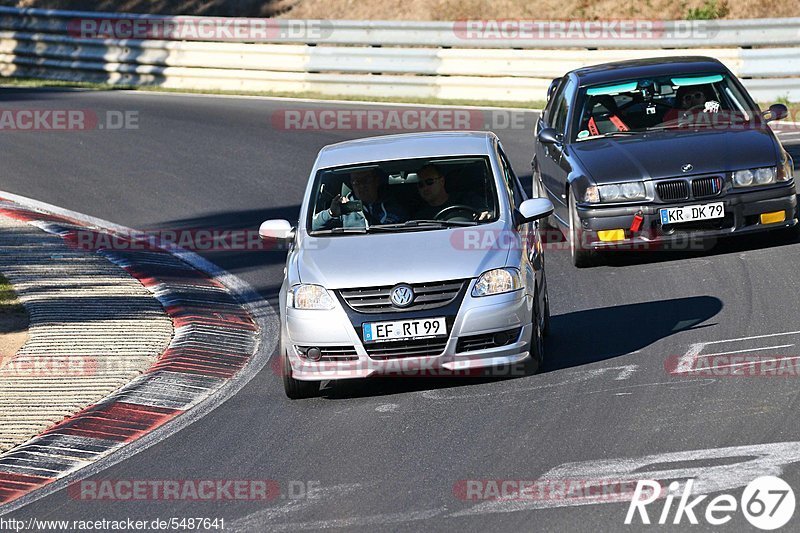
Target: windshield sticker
699,80
612,89
583,134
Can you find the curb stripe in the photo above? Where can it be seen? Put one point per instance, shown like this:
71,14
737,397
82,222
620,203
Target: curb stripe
214,339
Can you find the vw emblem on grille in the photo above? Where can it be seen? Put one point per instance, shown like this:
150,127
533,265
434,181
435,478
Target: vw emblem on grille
402,296
687,167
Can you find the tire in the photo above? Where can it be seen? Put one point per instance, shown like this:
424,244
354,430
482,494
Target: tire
546,320
581,257
294,388
536,360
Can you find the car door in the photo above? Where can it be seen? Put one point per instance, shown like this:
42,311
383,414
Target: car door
554,166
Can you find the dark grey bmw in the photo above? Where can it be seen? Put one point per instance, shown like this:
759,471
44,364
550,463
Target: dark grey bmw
659,153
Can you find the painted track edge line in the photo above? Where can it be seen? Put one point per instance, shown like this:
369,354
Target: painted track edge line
263,314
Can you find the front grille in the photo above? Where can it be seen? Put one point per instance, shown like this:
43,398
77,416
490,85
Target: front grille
411,348
426,296
333,353
710,186
485,341
673,190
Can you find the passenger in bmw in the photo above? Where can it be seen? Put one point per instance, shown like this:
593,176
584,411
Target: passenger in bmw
364,206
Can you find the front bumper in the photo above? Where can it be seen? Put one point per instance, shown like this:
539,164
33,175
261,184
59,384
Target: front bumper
742,211
476,316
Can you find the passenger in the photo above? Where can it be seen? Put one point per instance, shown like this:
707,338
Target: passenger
375,208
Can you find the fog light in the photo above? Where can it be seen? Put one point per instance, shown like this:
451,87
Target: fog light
607,235
501,338
314,354
772,218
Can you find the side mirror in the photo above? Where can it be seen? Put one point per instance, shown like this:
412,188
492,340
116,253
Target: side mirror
549,136
535,209
276,229
775,112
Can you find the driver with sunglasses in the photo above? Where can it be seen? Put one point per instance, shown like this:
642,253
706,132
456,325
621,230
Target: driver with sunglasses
436,198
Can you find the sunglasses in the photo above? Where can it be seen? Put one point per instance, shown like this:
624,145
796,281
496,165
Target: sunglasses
426,183
693,96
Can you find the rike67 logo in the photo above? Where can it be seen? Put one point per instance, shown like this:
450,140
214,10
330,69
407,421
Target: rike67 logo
767,503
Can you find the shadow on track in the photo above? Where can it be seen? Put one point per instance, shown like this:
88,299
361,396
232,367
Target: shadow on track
594,335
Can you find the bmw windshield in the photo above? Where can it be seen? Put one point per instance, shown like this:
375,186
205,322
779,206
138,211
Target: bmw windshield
656,103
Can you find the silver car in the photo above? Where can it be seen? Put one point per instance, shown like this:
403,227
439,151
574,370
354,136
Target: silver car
414,255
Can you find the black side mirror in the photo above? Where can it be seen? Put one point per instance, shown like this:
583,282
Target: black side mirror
549,136
775,112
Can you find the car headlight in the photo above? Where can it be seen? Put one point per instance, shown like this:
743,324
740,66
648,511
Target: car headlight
497,281
618,192
755,176
307,296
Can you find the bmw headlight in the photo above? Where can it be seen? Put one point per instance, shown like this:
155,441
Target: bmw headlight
622,192
307,296
498,281
755,176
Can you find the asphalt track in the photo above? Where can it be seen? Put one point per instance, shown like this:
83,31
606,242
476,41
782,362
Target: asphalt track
387,454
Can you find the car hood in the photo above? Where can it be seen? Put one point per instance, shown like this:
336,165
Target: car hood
663,154
412,257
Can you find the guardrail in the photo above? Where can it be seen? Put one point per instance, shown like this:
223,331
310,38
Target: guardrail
476,60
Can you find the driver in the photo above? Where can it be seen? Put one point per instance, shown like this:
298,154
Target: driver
376,208
691,99
435,198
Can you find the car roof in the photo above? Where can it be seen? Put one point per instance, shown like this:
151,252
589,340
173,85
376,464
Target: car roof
406,146
649,67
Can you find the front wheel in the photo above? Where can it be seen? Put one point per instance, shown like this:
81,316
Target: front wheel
581,256
536,360
294,388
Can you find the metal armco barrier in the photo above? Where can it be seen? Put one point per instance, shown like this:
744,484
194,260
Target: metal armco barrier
476,60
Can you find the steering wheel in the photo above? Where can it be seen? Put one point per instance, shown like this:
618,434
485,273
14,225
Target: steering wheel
473,213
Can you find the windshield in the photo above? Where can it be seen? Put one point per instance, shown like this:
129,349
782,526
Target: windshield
403,195
675,101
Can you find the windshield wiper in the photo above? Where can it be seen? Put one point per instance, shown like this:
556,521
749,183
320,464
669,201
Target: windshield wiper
625,133
338,231
620,133
415,224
